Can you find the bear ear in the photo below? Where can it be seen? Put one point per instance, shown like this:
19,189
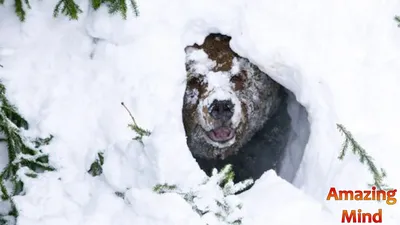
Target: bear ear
192,47
189,49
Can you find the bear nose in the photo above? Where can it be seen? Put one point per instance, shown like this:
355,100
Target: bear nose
221,110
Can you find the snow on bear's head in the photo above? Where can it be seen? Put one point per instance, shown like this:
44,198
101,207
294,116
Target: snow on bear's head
227,99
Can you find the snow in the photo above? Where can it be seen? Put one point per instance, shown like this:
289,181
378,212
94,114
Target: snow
287,208
339,58
201,63
213,203
297,141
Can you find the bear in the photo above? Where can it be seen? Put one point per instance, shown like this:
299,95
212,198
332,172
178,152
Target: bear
233,113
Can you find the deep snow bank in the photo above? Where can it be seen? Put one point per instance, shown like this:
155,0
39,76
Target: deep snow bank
340,62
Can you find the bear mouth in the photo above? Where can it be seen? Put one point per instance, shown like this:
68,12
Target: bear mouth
221,134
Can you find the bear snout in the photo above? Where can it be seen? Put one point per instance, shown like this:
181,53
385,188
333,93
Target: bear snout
221,110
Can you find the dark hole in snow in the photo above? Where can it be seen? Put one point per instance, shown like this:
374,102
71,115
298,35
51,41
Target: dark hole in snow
271,127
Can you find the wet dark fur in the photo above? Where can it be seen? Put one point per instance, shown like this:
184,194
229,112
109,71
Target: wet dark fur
263,131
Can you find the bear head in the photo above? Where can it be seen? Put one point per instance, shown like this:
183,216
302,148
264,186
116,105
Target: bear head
227,99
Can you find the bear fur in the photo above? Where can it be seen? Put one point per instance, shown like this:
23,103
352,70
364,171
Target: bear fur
233,113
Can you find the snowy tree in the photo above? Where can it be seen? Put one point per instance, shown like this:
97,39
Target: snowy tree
25,159
214,199
72,10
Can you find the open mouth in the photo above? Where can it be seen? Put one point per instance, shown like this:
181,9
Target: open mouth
221,134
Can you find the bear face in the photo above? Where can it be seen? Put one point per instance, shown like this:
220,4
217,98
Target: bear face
227,99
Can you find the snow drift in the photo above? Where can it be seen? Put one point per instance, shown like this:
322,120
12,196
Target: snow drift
68,78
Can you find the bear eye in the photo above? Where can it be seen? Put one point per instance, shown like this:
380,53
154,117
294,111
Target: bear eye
236,79
194,81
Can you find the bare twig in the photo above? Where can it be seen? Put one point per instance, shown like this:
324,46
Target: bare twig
130,114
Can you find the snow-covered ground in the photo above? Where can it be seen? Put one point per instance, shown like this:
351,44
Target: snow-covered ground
340,59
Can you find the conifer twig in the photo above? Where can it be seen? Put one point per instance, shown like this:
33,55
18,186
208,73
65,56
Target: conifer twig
130,114
96,167
135,7
115,6
68,8
72,10
397,18
378,174
20,154
140,131
218,206
19,10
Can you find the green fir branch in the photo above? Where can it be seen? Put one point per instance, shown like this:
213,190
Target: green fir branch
228,175
20,153
68,8
397,19
27,4
135,7
378,174
72,10
115,6
14,212
18,186
222,181
120,194
35,165
4,191
42,141
97,3
164,188
96,168
19,10
10,111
